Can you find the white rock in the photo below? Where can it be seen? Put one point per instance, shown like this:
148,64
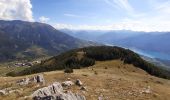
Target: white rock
55,88
39,79
55,92
35,79
3,92
67,83
83,88
146,90
72,96
24,81
100,98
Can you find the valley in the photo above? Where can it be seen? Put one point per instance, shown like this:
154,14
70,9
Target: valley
34,65
84,50
99,70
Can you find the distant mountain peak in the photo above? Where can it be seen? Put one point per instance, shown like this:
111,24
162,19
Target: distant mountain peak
24,35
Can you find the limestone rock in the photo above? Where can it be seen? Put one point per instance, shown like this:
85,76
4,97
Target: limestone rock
62,96
24,81
83,88
78,82
55,92
72,96
35,79
2,92
146,90
67,83
39,79
55,88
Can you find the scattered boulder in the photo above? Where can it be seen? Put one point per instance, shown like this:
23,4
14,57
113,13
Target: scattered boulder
67,83
78,82
146,90
83,88
40,79
3,92
24,81
68,79
35,79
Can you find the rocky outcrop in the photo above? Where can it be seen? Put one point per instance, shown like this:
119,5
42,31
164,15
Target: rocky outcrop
55,88
34,79
55,92
39,79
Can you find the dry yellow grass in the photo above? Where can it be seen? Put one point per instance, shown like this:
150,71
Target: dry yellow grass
112,80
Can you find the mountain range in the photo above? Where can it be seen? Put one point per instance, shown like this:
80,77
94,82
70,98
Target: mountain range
21,39
147,41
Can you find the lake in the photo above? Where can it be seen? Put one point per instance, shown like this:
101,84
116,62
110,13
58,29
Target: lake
152,54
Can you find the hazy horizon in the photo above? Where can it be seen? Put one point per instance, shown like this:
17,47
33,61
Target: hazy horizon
140,15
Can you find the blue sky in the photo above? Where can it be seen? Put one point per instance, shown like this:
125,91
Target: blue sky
76,12
91,12
137,15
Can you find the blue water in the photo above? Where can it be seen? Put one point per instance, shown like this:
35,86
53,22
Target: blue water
152,54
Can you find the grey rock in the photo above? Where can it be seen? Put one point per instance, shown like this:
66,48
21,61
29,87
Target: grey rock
78,82
35,79
83,88
24,81
72,96
55,92
55,88
67,83
40,79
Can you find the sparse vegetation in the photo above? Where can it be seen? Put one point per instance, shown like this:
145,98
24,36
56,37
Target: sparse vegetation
113,83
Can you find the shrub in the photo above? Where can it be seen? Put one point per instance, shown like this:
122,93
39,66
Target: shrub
68,70
13,74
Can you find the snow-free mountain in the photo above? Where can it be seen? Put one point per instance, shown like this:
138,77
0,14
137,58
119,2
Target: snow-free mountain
20,39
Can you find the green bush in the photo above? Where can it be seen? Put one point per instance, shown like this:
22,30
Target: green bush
13,73
68,70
